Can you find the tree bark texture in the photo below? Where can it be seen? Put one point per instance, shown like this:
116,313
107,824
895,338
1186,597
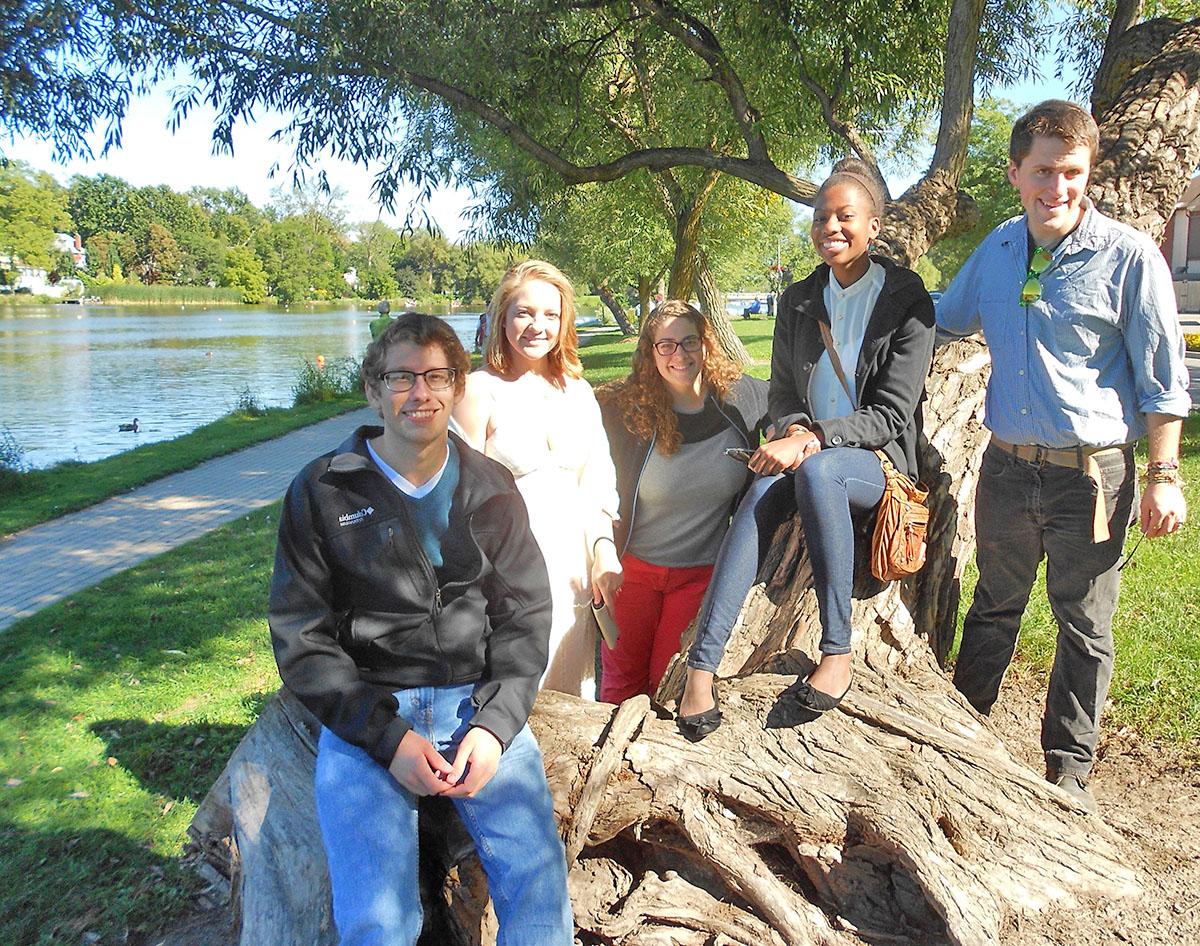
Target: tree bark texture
712,304
1149,145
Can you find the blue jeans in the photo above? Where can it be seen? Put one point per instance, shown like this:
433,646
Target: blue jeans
369,828
829,488
1023,512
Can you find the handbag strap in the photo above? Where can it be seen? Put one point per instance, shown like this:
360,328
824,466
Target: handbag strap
827,338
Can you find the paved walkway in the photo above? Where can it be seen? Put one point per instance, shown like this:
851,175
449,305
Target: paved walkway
46,563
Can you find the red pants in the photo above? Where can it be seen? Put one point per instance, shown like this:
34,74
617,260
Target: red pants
652,609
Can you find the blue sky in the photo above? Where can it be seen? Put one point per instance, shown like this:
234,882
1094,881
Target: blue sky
151,154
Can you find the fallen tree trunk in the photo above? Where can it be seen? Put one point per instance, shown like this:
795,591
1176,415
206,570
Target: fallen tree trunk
897,819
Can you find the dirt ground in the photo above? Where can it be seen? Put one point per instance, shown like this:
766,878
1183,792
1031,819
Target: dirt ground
1151,798
1147,794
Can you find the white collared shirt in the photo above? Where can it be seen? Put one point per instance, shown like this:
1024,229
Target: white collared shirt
849,312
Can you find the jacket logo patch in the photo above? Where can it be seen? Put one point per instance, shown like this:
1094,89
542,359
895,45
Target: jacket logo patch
353,518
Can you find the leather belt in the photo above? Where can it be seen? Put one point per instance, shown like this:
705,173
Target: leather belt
1079,458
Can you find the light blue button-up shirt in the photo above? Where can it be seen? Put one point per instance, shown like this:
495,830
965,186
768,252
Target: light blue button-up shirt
1100,349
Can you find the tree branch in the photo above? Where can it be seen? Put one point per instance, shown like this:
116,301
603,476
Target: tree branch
958,97
828,103
697,37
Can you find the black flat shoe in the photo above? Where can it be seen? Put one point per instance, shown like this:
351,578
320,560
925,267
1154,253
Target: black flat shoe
809,703
696,726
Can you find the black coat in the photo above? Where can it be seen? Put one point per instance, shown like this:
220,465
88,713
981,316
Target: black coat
893,364
745,409
357,610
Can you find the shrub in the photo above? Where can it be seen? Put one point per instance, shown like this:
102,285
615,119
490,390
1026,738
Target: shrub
12,461
338,379
164,294
248,404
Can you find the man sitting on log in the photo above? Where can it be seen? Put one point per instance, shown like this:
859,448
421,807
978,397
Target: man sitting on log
1087,357
410,612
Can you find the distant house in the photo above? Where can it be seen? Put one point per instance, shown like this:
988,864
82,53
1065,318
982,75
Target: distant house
37,281
72,244
1181,247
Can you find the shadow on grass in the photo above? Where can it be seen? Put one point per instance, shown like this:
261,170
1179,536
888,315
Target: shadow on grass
57,886
179,762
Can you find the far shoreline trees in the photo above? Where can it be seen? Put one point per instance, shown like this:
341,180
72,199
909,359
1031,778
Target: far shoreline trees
301,248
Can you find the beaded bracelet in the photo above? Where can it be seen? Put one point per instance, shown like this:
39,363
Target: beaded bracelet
1156,475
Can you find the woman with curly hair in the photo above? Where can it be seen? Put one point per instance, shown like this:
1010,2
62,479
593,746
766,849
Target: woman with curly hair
529,408
669,424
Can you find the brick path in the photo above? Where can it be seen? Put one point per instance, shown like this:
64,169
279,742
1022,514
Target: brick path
48,562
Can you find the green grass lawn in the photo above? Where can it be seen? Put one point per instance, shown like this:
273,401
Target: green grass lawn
41,495
120,706
605,354
118,709
1156,681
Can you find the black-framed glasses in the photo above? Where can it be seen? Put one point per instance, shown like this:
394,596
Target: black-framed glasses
400,382
667,346
1031,291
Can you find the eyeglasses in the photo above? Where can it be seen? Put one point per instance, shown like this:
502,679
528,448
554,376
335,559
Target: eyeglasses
436,379
667,346
1031,292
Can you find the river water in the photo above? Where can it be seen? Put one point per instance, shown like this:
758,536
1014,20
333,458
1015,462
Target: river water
70,374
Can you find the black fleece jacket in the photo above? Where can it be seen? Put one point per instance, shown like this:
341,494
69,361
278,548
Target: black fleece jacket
890,375
357,610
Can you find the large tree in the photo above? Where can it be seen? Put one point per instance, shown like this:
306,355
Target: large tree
985,181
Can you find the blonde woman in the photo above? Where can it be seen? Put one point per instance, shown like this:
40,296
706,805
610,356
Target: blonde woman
529,408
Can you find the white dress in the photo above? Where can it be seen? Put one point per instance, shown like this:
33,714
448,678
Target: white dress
553,441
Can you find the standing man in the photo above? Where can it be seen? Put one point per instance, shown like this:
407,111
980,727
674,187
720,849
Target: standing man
410,611
1087,357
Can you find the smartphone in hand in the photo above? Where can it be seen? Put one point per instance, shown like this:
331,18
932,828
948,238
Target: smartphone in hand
606,623
741,454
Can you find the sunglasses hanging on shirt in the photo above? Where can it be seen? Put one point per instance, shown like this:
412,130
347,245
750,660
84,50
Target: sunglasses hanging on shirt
1031,292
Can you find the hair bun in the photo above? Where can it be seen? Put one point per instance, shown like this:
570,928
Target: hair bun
855,170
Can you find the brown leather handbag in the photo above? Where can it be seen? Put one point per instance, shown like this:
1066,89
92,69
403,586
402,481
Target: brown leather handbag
898,542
